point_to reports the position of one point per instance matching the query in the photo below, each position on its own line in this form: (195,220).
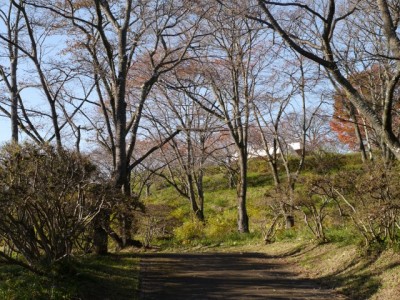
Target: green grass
(220,201)
(343,235)
(108,277)
(17,283)
(259,179)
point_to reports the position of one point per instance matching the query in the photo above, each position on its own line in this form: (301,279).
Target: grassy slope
(340,265)
(352,272)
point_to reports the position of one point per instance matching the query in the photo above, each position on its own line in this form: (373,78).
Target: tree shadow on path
(223,276)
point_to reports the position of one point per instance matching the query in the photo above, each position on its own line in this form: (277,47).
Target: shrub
(47,200)
(344,235)
(369,196)
(155,224)
(286,234)
(321,162)
(189,231)
(219,226)
(314,200)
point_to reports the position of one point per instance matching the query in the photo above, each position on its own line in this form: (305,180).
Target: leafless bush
(373,200)
(155,223)
(313,201)
(47,200)
(277,207)
(369,196)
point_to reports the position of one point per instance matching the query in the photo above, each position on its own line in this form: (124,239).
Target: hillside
(343,261)
(348,260)
(168,218)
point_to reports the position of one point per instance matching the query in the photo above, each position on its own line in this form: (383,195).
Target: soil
(224,276)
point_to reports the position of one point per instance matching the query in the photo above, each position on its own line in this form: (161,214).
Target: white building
(292,148)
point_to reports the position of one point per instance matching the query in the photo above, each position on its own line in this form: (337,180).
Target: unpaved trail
(223,276)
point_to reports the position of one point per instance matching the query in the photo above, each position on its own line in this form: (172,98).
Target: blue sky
(5,131)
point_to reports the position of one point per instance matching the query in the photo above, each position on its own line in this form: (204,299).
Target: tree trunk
(100,235)
(357,131)
(121,182)
(289,215)
(192,197)
(243,219)
(14,100)
(200,193)
(274,168)
(125,229)
(289,221)
(148,193)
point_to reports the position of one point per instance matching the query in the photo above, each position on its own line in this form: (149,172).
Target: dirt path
(223,276)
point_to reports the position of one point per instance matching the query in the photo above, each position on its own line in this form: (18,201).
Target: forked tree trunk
(198,212)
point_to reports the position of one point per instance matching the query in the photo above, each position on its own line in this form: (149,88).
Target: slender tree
(280,129)
(11,17)
(185,156)
(41,98)
(229,76)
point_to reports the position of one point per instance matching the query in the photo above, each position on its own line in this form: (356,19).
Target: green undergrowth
(180,228)
(114,276)
(17,283)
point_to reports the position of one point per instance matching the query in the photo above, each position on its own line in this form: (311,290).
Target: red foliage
(342,124)
(368,84)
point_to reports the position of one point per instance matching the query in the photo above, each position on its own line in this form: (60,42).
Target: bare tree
(124,47)
(370,83)
(284,132)
(185,156)
(229,73)
(11,17)
(223,154)
(340,36)
(41,98)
